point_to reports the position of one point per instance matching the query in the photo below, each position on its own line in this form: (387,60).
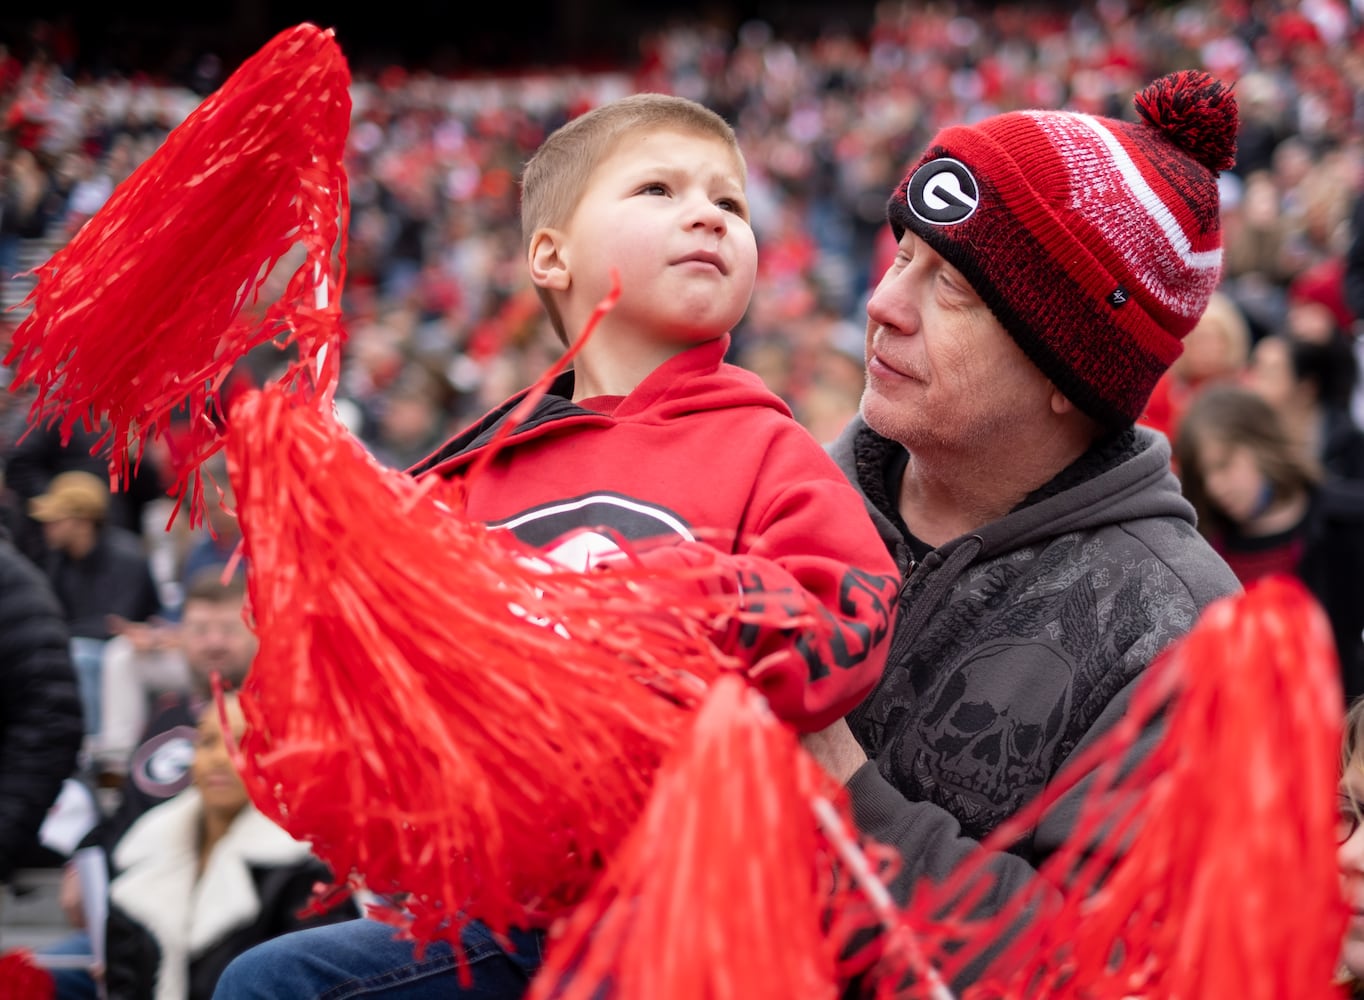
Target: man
(96,569)
(1048,265)
(144,659)
(213,637)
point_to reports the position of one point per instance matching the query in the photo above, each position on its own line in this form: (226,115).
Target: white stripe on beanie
(1141,219)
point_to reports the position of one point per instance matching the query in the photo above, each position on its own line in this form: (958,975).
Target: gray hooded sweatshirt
(1016,647)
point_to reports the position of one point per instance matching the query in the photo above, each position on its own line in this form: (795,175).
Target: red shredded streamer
(22,979)
(437,708)
(144,310)
(1228,884)
(717,891)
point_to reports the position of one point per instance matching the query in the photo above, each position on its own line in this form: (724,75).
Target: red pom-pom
(141,313)
(1175,877)
(717,893)
(1197,112)
(434,706)
(22,979)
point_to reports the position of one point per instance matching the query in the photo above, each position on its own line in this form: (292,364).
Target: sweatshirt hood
(1125,477)
(695,380)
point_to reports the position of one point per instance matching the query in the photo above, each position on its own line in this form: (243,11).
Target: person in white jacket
(202,877)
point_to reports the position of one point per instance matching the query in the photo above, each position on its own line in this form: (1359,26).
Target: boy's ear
(548,263)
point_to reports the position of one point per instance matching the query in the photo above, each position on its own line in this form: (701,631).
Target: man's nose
(892,304)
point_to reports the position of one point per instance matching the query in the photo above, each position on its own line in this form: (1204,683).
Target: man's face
(58,534)
(214,637)
(942,373)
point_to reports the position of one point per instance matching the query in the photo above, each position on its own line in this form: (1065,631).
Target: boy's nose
(708,215)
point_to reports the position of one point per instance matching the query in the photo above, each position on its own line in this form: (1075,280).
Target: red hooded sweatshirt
(703,456)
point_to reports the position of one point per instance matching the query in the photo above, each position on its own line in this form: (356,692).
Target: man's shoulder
(123,544)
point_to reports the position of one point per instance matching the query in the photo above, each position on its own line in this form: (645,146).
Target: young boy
(652,439)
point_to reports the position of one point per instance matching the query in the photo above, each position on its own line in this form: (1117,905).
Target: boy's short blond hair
(555,178)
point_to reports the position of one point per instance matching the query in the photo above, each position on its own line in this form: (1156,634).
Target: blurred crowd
(440,315)
(441,320)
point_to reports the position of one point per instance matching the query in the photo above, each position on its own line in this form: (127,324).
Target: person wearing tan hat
(96,569)
(71,497)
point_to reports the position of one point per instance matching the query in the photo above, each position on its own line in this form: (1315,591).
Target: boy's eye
(653,189)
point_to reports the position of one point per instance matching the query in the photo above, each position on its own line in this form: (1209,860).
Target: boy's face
(667,210)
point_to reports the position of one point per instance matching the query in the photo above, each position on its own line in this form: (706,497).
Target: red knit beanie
(1095,242)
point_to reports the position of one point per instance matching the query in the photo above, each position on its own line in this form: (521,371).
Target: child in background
(1263,505)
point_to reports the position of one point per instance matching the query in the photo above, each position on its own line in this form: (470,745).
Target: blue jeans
(71,984)
(363,958)
(87,656)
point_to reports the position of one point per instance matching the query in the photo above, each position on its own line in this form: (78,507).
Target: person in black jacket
(40,713)
(99,572)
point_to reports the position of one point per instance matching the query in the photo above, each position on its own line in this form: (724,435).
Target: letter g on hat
(1096,242)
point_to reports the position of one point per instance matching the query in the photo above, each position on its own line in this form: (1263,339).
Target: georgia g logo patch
(943,192)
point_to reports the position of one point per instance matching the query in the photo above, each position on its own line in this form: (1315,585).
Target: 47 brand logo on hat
(943,192)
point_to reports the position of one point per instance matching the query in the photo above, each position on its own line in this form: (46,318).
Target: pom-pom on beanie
(1095,242)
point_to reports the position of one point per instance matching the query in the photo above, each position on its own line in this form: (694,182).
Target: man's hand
(69,897)
(146,637)
(837,750)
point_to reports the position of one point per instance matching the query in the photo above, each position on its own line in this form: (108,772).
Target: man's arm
(809,555)
(931,846)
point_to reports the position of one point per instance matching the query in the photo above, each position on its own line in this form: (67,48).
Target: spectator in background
(40,711)
(1257,269)
(1350,852)
(1263,505)
(211,637)
(1309,384)
(1216,349)
(29,203)
(196,880)
(201,878)
(1352,292)
(410,422)
(97,570)
(39,455)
